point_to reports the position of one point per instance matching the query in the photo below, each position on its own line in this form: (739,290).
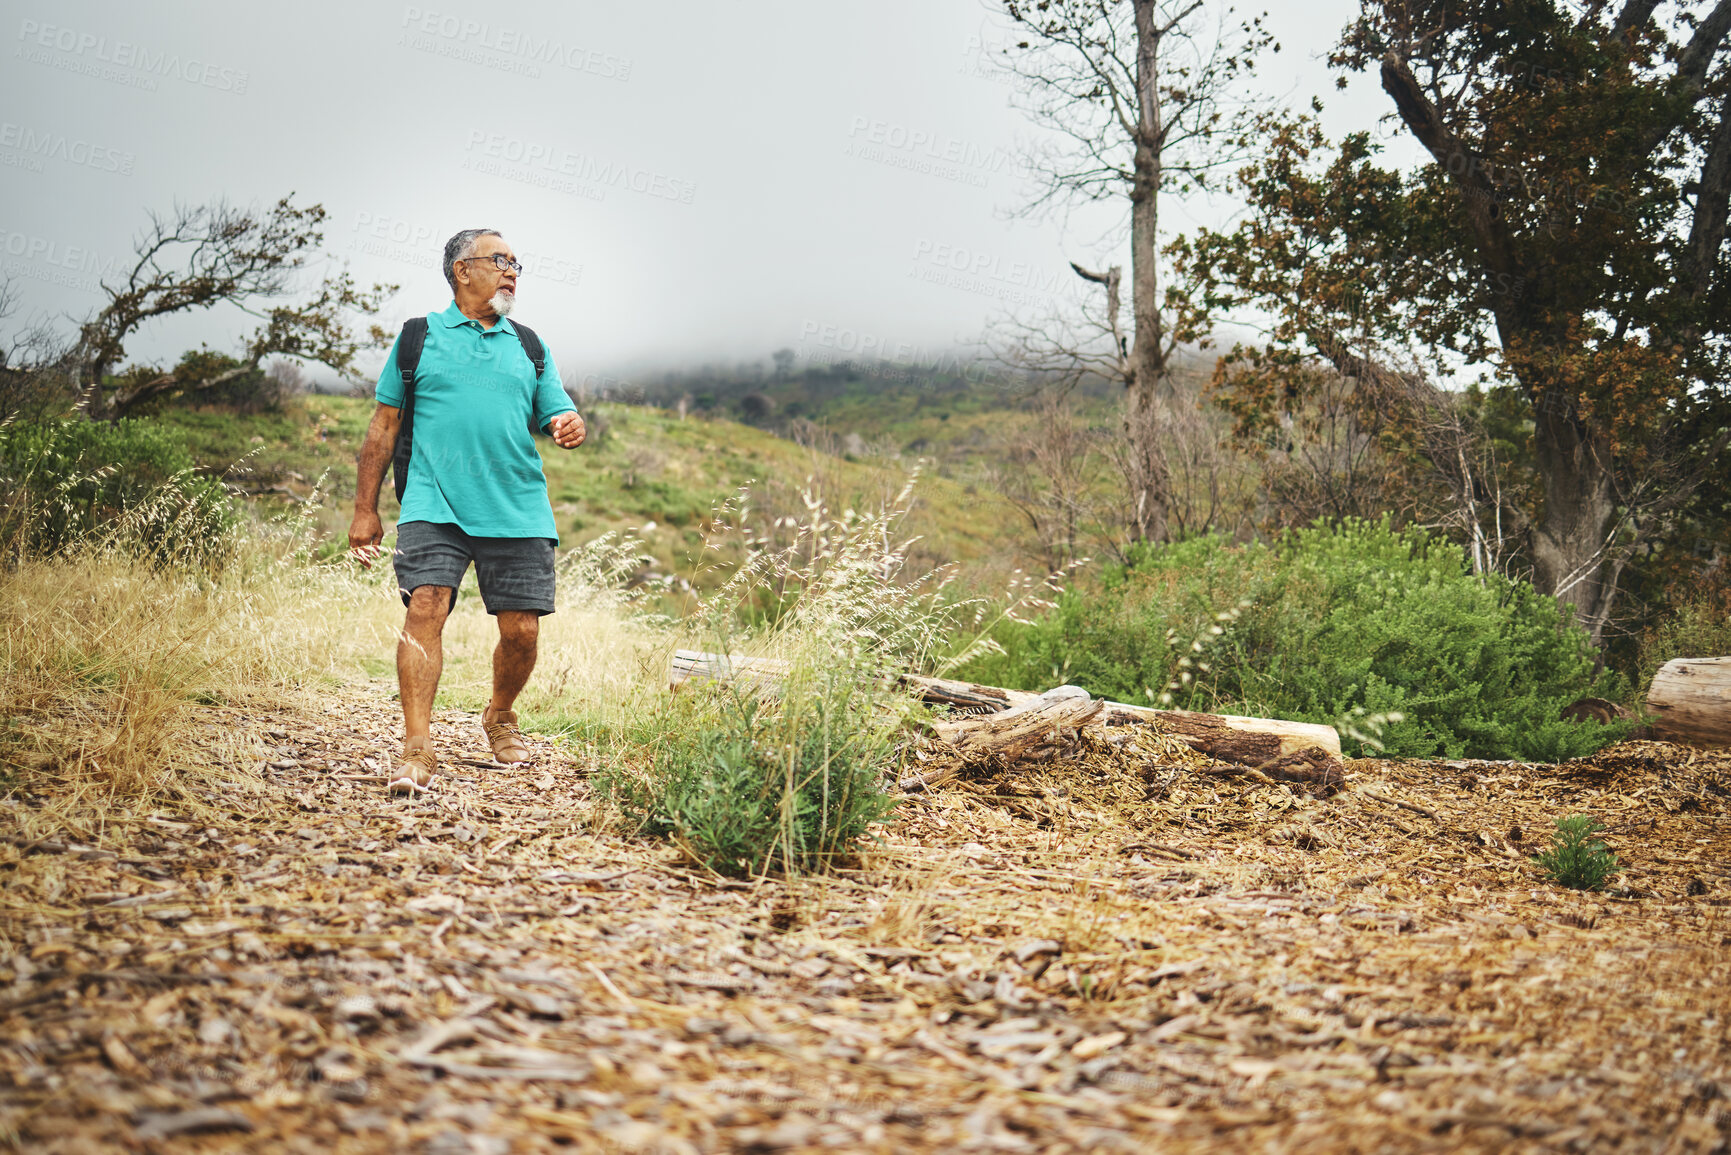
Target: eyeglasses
(501,262)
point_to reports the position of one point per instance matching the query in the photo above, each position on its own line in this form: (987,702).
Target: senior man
(473,490)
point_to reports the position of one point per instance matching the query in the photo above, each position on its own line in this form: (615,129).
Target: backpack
(408,359)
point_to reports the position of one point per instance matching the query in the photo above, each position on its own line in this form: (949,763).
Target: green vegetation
(1326,621)
(746,786)
(1697,625)
(789,772)
(127,485)
(1576,859)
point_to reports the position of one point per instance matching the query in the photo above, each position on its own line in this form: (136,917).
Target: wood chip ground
(1091,954)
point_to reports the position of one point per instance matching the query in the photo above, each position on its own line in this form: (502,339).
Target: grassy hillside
(956,419)
(645,471)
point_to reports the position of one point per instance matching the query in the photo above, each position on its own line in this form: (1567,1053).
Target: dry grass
(103,659)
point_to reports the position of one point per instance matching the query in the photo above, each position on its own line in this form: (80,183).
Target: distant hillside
(957,414)
(646,471)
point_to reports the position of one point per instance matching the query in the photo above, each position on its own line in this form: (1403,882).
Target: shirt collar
(453,318)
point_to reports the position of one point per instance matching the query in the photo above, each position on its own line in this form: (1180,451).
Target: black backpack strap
(537,352)
(409,345)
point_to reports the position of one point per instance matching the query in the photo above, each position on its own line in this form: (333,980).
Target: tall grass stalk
(750,777)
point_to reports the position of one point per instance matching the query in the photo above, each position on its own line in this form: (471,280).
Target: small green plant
(788,773)
(789,785)
(1576,859)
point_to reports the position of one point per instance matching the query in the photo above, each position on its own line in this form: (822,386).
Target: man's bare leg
(513,662)
(420,661)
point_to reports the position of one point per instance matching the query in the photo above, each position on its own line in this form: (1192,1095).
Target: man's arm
(557,416)
(366,531)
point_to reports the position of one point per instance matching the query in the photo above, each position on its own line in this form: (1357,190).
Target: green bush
(1325,621)
(125,485)
(747,785)
(1576,859)
(1698,625)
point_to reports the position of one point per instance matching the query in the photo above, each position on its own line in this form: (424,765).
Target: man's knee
(519,628)
(429,606)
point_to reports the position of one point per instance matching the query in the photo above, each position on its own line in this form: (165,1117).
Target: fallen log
(694,666)
(1692,700)
(1228,737)
(1023,730)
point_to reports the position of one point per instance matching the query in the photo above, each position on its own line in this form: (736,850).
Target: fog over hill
(685,181)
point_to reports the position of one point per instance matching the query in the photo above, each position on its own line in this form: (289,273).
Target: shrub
(126,485)
(1576,859)
(1326,621)
(789,774)
(791,784)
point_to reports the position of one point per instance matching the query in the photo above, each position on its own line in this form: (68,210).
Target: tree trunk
(1150,481)
(1571,540)
(1692,698)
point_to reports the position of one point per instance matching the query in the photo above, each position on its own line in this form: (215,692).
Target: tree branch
(1697,58)
(1422,117)
(1712,207)
(1634,16)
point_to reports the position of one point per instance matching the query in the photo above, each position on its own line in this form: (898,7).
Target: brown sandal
(505,738)
(413,772)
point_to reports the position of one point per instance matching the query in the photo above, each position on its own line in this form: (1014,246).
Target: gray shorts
(515,573)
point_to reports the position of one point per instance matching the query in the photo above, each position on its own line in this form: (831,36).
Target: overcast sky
(687,180)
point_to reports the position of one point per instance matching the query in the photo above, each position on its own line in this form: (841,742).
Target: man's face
(481,276)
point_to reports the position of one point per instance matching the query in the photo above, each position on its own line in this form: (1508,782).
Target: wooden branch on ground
(1692,698)
(1228,737)
(1231,738)
(694,666)
(1025,729)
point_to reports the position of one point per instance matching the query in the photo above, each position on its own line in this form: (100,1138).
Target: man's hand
(366,531)
(568,430)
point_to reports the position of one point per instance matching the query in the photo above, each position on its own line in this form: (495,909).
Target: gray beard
(502,303)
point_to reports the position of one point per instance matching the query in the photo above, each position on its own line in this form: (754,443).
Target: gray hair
(460,246)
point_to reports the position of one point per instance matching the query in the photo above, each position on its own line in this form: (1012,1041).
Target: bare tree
(1051,474)
(34,378)
(1137,94)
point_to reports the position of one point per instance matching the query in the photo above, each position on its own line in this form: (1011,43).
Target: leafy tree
(1567,231)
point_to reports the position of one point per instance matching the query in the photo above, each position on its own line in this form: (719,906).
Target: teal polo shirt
(474,463)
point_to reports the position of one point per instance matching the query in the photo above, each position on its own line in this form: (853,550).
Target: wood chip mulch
(1086,954)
